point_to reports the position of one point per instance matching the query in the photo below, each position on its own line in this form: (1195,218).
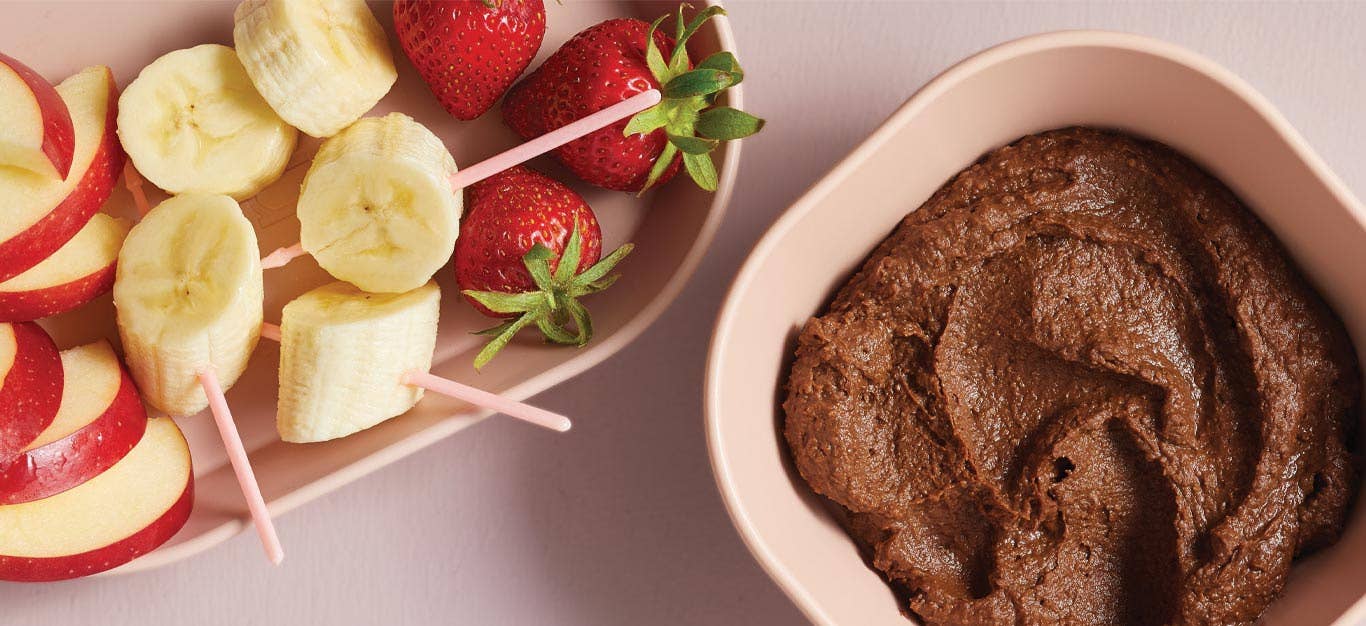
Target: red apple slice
(30,385)
(125,512)
(100,420)
(36,133)
(41,215)
(75,274)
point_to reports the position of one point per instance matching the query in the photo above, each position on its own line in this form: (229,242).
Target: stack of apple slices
(59,160)
(87,481)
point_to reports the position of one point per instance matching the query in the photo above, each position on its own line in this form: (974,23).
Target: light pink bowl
(671,228)
(1114,80)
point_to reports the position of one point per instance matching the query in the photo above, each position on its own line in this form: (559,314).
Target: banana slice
(321,63)
(189,294)
(343,353)
(376,209)
(193,122)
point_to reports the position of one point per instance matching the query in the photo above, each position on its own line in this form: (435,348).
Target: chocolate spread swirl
(1081,384)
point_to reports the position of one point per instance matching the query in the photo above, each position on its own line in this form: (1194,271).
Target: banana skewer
(188,295)
(463,178)
(460,391)
(325,394)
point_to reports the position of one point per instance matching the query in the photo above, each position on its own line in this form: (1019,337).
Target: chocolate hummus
(1081,384)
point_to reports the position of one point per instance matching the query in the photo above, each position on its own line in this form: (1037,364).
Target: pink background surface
(619,522)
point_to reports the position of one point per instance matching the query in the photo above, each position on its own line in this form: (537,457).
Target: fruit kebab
(339,225)
(325,332)
(188,294)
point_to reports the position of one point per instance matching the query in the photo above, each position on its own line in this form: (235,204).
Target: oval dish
(1113,80)
(671,228)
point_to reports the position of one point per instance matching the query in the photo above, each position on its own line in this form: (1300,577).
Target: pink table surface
(618,521)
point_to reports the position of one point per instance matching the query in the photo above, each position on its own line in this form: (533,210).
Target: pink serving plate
(671,229)
(1141,85)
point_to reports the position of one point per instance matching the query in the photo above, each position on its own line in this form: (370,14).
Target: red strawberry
(469,51)
(528,249)
(613,61)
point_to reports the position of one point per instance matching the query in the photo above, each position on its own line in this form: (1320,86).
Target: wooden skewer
(520,154)
(241,465)
(460,391)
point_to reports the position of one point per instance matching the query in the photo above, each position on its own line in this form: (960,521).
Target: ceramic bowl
(671,228)
(1135,84)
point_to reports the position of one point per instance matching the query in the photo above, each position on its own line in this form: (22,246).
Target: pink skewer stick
(270,331)
(282,256)
(491,401)
(133,181)
(459,391)
(520,154)
(554,139)
(241,466)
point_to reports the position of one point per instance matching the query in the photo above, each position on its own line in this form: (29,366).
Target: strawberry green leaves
(699,82)
(693,145)
(679,61)
(701,169)
(654,59)
(666,156)
(647,120)
(553,307)
(724,61)
(725,123)
(686,114)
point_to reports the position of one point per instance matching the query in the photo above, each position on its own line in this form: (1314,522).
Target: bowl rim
(772,564)
(590,357)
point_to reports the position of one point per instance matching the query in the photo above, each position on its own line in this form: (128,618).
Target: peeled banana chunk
(376,208)
(188,293)
(193,122)
(320,63)
(343,353)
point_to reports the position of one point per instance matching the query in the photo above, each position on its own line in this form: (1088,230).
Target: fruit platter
(250,252)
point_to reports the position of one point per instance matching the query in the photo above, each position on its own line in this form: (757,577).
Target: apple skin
(60,465)
(29,247)
(59,136)
(28,569)
(40,303)
(31,392)
(78,272)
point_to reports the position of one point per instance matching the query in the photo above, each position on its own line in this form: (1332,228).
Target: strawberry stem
(689,94)
(553,307)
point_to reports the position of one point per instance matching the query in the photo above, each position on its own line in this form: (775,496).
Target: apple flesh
(36,133)
(41,215)
(115,517)
(101,418)
(30,385)
(78,272)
